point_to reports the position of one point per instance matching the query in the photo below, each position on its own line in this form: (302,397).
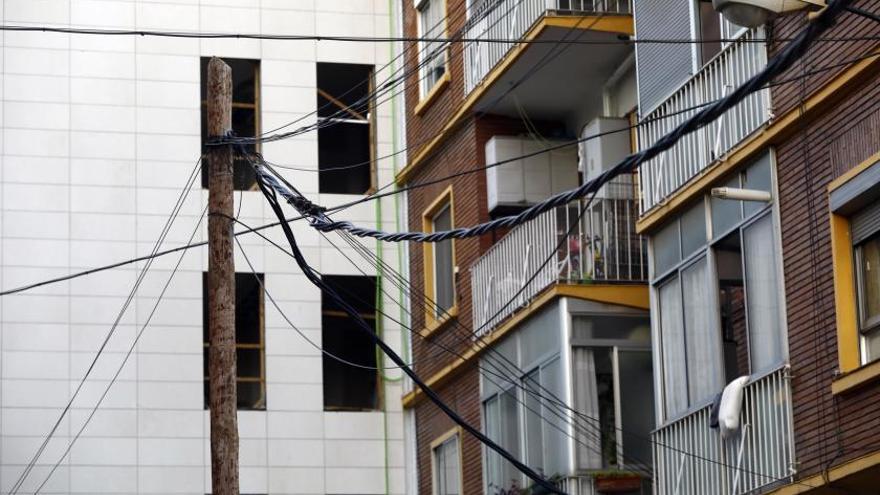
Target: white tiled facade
(99,135)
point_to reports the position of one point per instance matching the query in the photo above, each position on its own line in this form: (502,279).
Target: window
(432,24)
(250,350)
(514,415)
(346,128)
(716,281)
(439,262)
(245,115)
(446,464)
(612,367)
(710,31)
(868,277)
(347,387)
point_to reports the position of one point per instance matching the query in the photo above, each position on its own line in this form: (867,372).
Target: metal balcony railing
(601,247)
(736,62)
(510,20)
(691,457)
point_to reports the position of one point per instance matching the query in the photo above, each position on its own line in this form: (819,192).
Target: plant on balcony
(616,481)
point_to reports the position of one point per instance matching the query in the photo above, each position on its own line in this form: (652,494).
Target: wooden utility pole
(221,287)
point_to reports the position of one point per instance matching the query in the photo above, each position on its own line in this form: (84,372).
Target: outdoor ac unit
(597,154)
(526,181)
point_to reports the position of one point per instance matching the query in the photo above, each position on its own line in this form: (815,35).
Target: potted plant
(614,481)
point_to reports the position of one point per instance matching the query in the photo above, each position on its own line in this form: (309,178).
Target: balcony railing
(601,247)
(736,62)
(691,457)
(510,20)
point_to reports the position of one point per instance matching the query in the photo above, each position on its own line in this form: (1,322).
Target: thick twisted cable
(776,66)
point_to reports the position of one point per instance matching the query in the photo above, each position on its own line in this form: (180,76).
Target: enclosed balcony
(691,457)
(599,246)
(734,64)
(500,77)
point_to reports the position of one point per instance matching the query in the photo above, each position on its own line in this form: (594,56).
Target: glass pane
(693,229)
(492,420)
(869,274)
(586,402)
(605,401)
(710,31)
(666,249)
(539,337)
(533,418)
(452,467)
(872,344)
(757,176)
(556,439)
(636,387)
(725,212)
(509,436)
(629,328)
(444,295)
(762,295)
(672,346)
(705,372)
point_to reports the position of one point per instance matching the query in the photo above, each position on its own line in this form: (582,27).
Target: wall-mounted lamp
(741,194)
(753,13)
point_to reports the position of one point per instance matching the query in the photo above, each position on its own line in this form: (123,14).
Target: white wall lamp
(753,13)
(741,194)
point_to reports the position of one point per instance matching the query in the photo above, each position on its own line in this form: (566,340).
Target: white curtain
(589,446)
(675,396)
(762,295)
(705,369)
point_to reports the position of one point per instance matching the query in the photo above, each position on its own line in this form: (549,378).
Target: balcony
(500,76)
(691,457)
(738,61)
(601,248)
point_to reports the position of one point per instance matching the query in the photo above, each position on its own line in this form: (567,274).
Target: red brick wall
(828,430)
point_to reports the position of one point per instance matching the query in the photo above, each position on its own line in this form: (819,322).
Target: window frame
(371,121)
(428,94)
(452,434)
(433,321)
(260,346)
(255,106)
(707,252)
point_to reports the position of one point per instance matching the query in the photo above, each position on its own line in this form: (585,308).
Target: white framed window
(716,277)
(867,262)
(446,464)
(432,54)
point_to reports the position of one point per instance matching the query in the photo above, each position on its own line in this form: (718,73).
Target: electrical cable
(307,271)
(379,195)
(163,233)
(370,39)
(165,229)
(124,360)
(781,62)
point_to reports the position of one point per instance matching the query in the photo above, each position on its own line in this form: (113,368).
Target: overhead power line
(379,195)
(622,39)
(362,325)
(778,64)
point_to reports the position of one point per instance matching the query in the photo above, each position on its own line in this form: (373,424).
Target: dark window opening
(732,303)
(250,349)
(245,112)
(345,132)
(347,387)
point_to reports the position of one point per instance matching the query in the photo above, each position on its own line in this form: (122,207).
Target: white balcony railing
(510,20)
(736,62)
(602,247)
(691,457)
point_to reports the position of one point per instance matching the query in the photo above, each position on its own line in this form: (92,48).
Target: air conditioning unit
(526,181)
(597,154)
